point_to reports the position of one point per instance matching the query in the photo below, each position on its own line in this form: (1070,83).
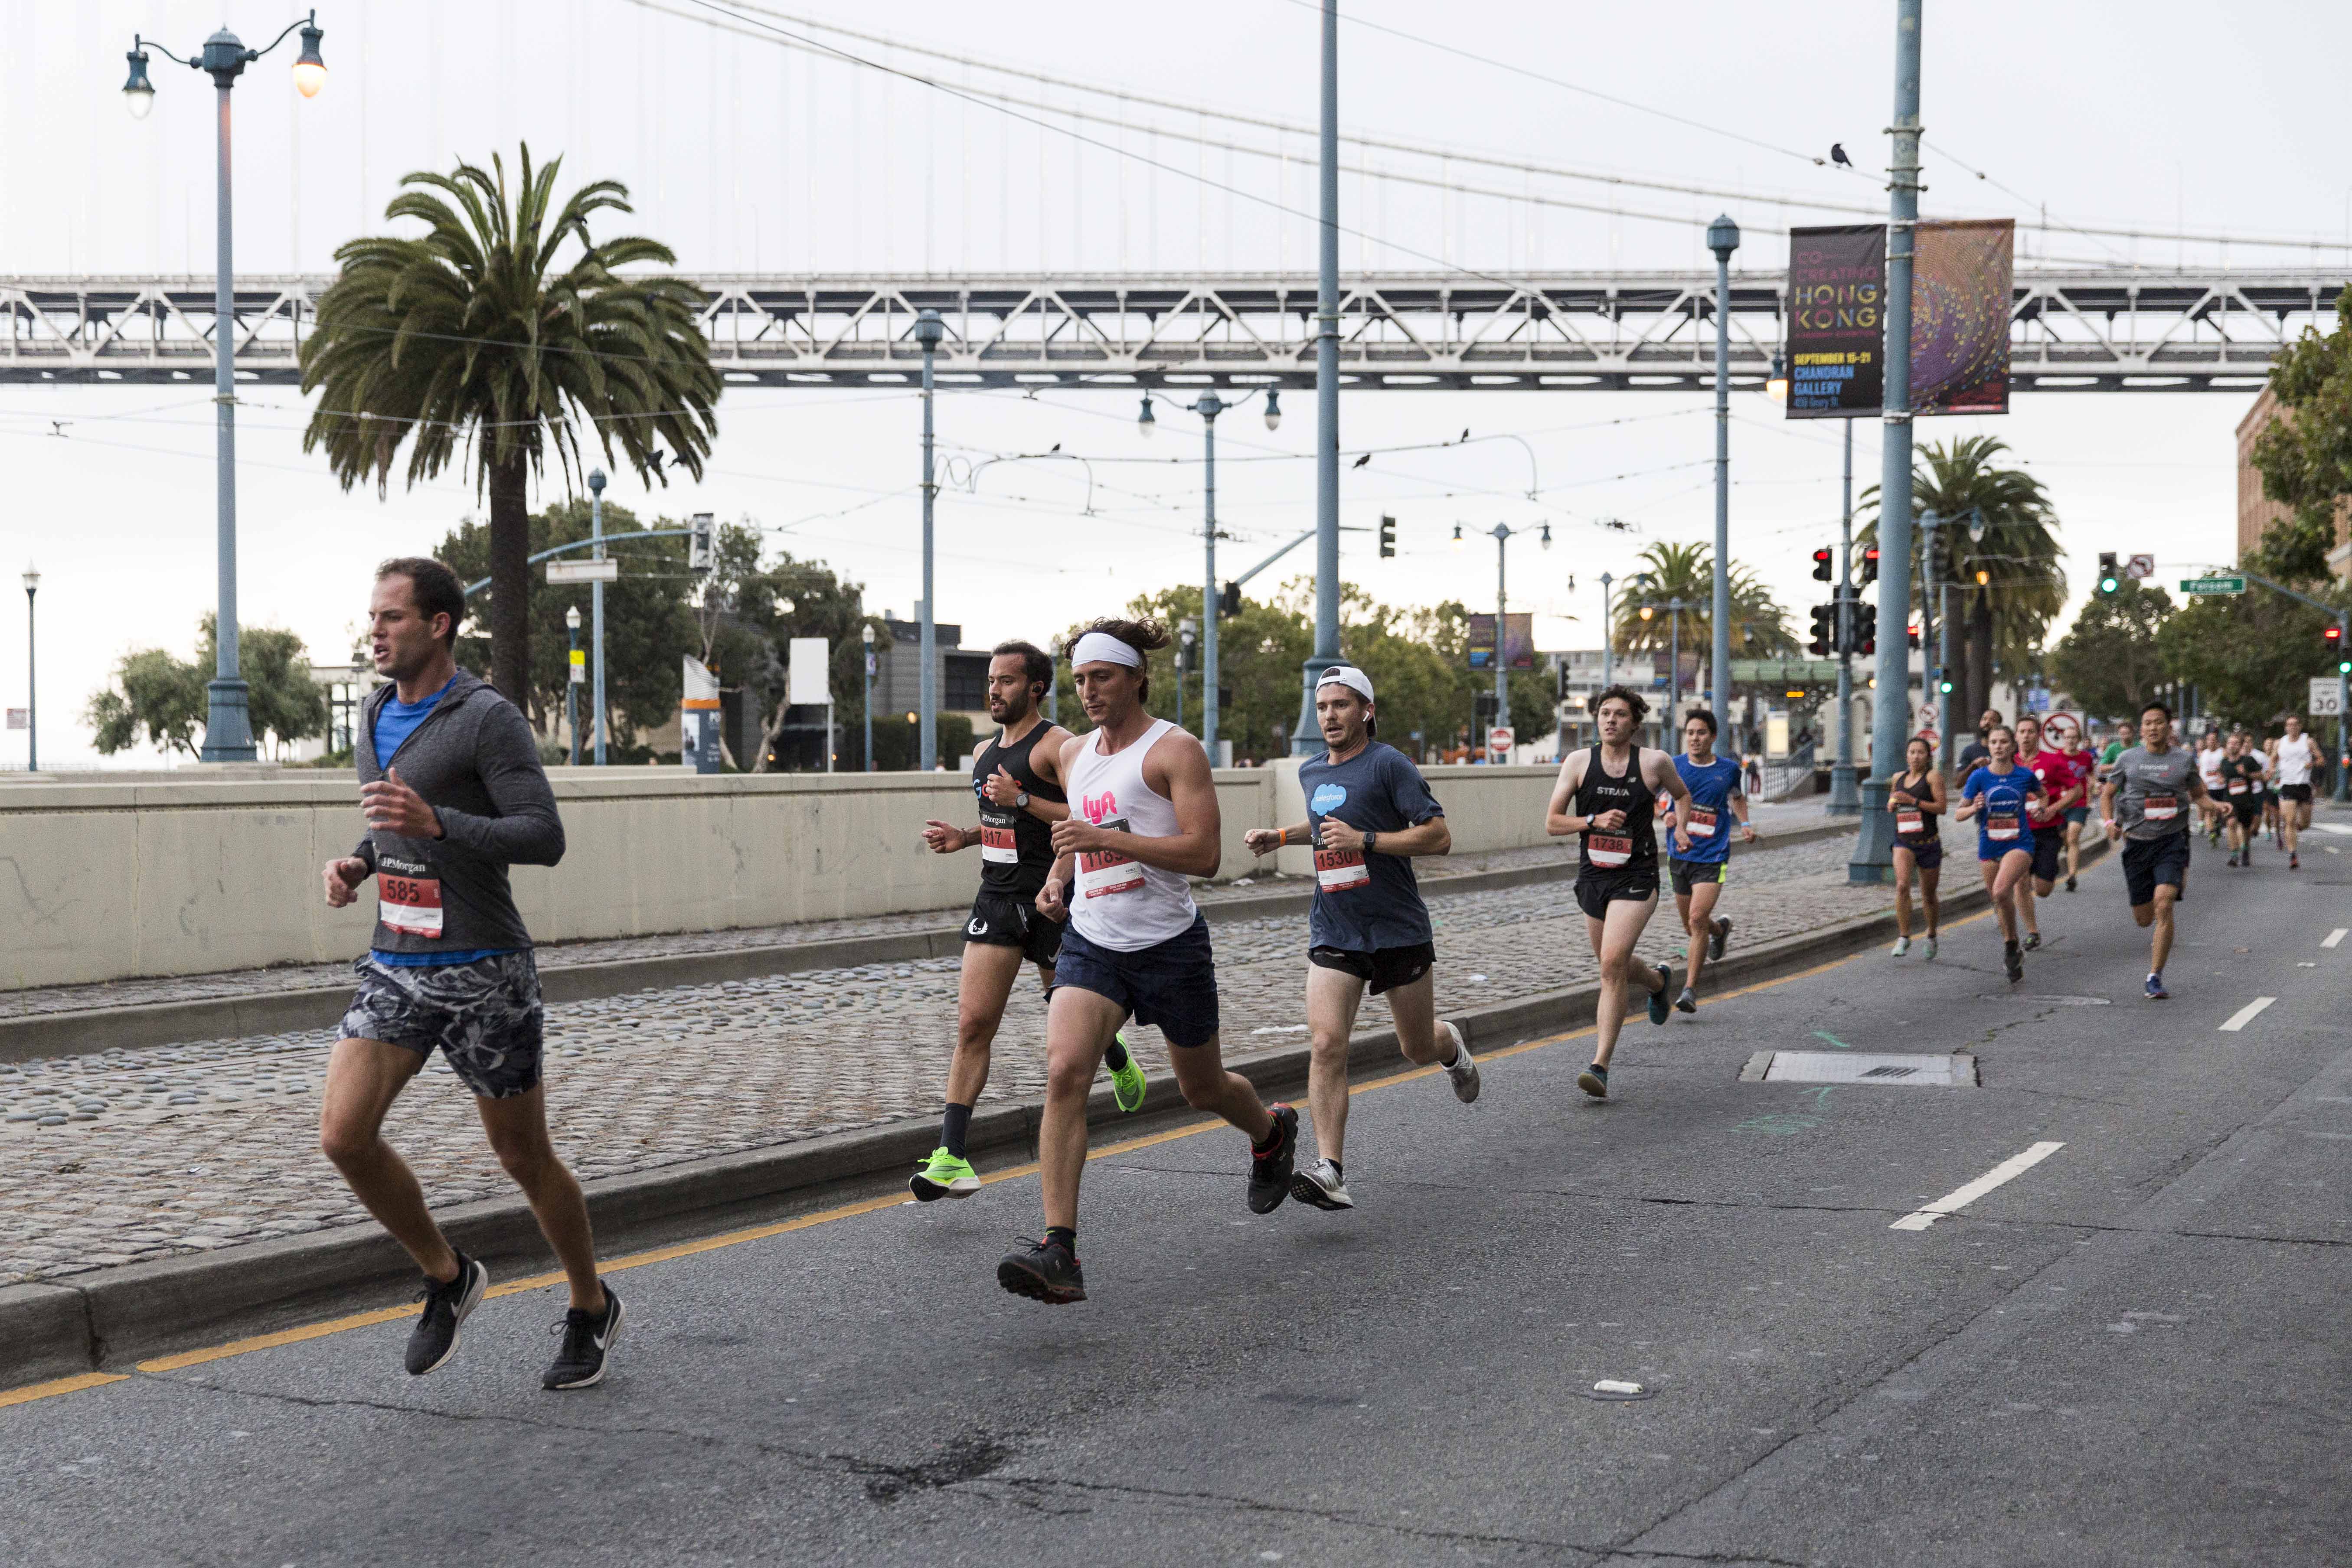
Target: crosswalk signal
(1229,603)
(1870,566)
(2110,577)
(1824,631)
(1821,564)
(1388,537)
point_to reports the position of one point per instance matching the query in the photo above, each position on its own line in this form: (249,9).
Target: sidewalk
(132,1155)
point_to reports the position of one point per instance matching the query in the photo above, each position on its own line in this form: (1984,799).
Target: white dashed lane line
(2009,1170)
(2336,936)
(2246,1014)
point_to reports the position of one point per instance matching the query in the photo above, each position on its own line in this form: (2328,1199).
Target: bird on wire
(1837,155)
(1362,460)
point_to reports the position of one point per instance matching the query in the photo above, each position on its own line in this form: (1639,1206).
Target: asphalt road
(2132,1352)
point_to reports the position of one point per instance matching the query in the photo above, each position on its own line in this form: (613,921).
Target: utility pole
(928,330)
(596,607)
(1873,851)
(572,673)
(1845,800)
(1723,239)
(1209,407)
(1307,738)
(867,636)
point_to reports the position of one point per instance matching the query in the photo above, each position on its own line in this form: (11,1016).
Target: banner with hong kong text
(1837,325)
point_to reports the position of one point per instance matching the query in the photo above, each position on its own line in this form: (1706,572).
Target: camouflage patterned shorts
(486,1016)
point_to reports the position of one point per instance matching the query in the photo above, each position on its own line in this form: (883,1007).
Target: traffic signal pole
(1845,795)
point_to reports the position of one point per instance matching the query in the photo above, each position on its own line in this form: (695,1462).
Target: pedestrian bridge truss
(2079,329)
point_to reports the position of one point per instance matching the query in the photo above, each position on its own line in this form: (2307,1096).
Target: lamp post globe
(1274,408)
(1145,422)
(138,93)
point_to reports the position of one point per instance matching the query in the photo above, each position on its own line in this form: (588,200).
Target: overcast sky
(747,155)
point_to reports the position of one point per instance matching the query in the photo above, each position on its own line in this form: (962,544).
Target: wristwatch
(1021,801)
(1370,837)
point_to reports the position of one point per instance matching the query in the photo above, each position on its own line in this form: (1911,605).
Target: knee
(1615,967)
(1068,1078)
(1202,1091)
(523,1159)
(1330,1048)
(346,1144)
(976,1031)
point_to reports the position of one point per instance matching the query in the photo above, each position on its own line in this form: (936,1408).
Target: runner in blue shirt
(1703,844)
(1996,793)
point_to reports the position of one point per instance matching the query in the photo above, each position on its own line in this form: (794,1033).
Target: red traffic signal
(1870,566)
(2333,637)
(1821,564)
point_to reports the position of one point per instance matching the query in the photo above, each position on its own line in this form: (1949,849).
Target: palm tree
(1760,626)
(2004,588)
(467,339)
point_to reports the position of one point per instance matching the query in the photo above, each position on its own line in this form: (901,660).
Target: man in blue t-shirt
(1703,844)
(1368,811)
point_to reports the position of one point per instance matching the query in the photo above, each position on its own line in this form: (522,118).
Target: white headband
(1348,676)
(1101,647)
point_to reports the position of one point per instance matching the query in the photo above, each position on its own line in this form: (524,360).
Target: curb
(92,1030)
(112,1318)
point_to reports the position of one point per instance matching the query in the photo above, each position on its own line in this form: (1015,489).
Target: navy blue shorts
(1172,985)
(2050,853)
(1927,851)
(2147,861)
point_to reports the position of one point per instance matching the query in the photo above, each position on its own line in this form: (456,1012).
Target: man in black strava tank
(1607,795)
(1017,780)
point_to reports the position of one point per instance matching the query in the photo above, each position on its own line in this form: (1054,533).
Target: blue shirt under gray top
(1378,790)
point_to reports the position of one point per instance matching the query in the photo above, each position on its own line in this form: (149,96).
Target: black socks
(1065,1236)
(953,1127)
(1115,1058)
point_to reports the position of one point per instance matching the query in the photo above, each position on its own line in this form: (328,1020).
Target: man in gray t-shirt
(2145,802)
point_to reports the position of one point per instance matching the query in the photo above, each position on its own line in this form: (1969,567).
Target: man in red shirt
(2046,814)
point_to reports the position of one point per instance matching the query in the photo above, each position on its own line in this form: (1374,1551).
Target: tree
(2110,660)
(465,343)
(160,699)
(2305,456)
(2249,654)
(2002,590)
(1760,626)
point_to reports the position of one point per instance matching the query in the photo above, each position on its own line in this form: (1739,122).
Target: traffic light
(1824,631)
(699,553)
(1870,566)
(1913,631)
(1229,603)
(2110,577)
(1821,564)
(2333,637)
(1388,537)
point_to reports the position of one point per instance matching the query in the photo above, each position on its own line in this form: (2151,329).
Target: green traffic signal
(2108,584)
(2344,666)
(1944,687)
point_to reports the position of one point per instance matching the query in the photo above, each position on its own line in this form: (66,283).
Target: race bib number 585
(411,905)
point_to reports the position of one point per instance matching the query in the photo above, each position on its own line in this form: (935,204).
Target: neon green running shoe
(1128,1084)
(944,1176)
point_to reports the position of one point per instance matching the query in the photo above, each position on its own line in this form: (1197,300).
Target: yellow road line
(761,1232)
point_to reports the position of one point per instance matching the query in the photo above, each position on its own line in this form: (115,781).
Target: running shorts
(1595,891)
(2148,861)
(485,1016)
(1928,851)
(1685,874)
(1001,919)
(2299,792)
(2246,809)
(1171,985)
(2049,853)
(1386,967)
(2078,814)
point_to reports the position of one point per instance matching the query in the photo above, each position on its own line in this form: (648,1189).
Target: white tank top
(2295,755)
(1117,902)
(2208,768)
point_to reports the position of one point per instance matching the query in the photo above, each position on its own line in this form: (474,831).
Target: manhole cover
(1860,1066)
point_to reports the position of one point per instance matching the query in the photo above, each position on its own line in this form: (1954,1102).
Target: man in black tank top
(1606,796)
(1016,779)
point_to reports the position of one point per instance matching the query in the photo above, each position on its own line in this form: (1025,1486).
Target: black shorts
(485,1016)
(1386,967)
(1686,874)
(2050,853)
(2298,793)
(2246,809)
(1170,984)
(1596,891)
(2148,861)
(1927,851)
(1004,920)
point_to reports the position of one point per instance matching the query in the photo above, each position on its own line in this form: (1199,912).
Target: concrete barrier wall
(186,874)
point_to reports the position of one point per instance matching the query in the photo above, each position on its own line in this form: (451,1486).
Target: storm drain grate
(1953,1071)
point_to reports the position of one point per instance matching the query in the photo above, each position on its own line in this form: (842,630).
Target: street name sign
(605,571)
(2218,582)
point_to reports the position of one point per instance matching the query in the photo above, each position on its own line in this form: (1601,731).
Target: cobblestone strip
(128,1155)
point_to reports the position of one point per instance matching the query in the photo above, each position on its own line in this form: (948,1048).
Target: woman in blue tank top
(1996,794)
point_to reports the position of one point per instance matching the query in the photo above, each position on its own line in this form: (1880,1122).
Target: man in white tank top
(1143,821)
(2293,756)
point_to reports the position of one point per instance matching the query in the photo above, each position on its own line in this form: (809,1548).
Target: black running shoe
(1594,1081)
(2070,884)
(1043,1271)
(1718,933)
(2032,940)
(1270,1172)
(435,1339)
(2012,962)
(588,1340)
(1661,1000)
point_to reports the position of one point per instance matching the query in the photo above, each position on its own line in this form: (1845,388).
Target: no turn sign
(1499,740)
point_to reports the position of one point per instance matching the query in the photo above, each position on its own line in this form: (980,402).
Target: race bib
(997,845)
(2002,825)
(1702,822)
(2236,787)
(1340,870)
(1102,872)
(2160,807)
(1907,820)
(410,905)
(1605,850)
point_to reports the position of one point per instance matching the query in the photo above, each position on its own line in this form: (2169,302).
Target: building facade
(2257,512)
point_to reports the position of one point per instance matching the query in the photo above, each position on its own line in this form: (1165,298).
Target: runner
(1698,873)
(2208,768)
(2047,815)
(2293,756)
(1137,946)
(1915,796)
(2086,763)
(450,965)
(1368,813)
(1613,786)
(1016,779)
(2242,768)
(1978,750)
(2141,804)
(1998,791)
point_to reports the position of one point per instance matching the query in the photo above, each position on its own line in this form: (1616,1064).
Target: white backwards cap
(1348,676)
(1101,647)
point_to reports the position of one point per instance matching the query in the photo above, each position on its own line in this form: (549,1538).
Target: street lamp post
(1306,736)
(228,727)
(1723,239)
(1187,634)
(32,680)
(572,670)
(1054,686)
(596,608)
(929,331)
(865,633)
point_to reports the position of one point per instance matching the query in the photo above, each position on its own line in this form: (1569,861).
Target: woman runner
(1915,796)
(1996,793)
